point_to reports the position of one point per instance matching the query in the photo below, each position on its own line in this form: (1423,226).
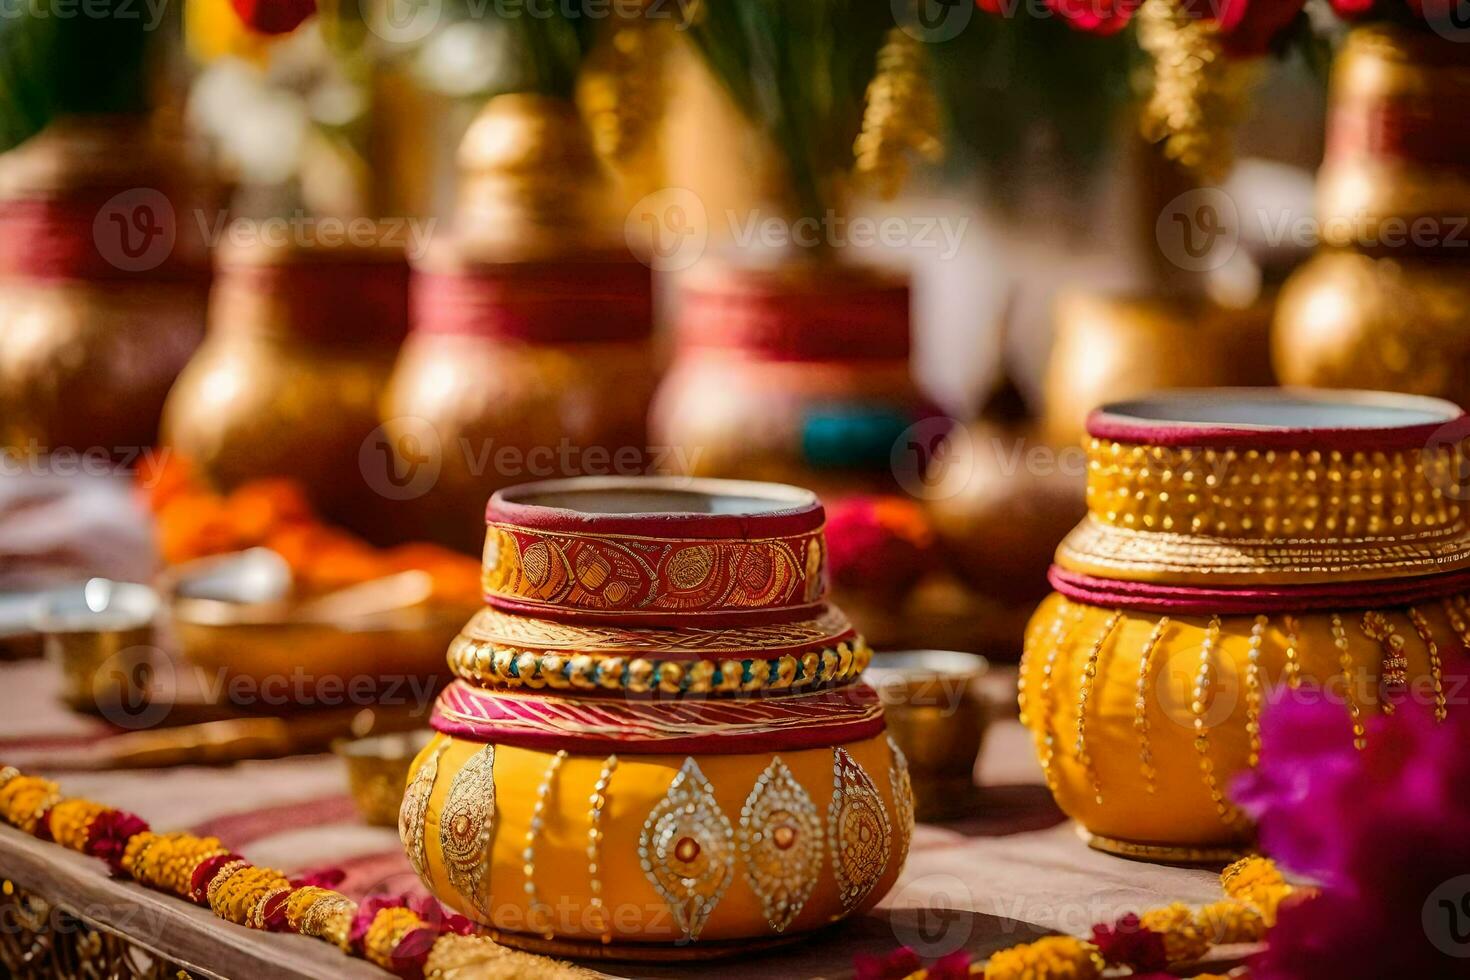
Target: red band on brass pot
(58,238)
(329,301)
(840,315)
(711,726)
(549,303)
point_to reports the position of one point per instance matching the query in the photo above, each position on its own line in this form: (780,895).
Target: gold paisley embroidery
(687,849)
(415,808)
(467,823)
(780,844)
(902,784)
(858,827)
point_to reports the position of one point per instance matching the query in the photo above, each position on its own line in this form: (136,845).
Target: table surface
(1013,871)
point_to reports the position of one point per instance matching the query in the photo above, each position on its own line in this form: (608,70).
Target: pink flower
(895,966)
(1101,17)
(1384,830)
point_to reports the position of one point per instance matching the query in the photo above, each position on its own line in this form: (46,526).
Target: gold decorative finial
(1198,93)
(901,117)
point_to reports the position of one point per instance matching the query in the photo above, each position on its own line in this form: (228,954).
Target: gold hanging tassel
(901,116)
(1199,92)
(621,88)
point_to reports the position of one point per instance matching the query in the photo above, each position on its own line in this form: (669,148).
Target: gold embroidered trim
(491,665)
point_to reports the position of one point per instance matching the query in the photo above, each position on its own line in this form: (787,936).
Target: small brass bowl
(101,636)
(938,715)
(377,772)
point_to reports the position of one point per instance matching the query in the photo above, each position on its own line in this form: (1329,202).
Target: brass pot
(1384,306)
(301,343)
(103,283)
(796,373)
(1109,347)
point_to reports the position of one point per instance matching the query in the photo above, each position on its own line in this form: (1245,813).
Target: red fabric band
(1200,601)
(332,302)
(714,726)
(548,303)
(57,238)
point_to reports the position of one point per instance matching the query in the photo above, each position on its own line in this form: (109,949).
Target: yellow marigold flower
(1257,882)
(1184,940)
(1052,958)
(1229,921)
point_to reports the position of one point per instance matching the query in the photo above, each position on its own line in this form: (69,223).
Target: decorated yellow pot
(103,281)
(658,745)
(1241,544)
(794,373)
(301,342)
(1383,305)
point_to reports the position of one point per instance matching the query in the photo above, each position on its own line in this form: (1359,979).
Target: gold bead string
(1436,666)
(1061,635)
(598,801)
(538,816)
(1293,655)
(901,117)
(1345,661)
(1200,707)
(1457,622)
(1253,692)
(1084,691)
(1140,706)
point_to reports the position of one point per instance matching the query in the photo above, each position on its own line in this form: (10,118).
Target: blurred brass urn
(1386,303)
(531,354)
(1110,347)
(103,281)
(303,329)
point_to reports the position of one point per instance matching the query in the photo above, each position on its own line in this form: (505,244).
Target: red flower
(895,966)
(273,16)
(1352,9)
(1101,17)
(878,546)
(108,833)
(1248,27)
(1129,943)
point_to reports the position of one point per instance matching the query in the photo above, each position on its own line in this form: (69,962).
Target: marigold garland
(395,933)
(1166,938)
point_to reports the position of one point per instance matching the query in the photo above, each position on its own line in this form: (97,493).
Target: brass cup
(937,714)
(101,637)
(377,772)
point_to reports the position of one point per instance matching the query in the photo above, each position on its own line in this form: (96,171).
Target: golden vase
(105,278)
(658,746)
(1241,544)
(796,373)
(303,332)
(1383,304)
